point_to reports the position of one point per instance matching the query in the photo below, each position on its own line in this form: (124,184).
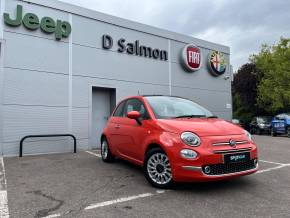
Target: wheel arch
(153,145)
(103,136)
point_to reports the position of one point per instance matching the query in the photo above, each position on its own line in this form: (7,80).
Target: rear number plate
(236,158)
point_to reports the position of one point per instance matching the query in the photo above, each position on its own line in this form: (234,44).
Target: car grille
(220,169)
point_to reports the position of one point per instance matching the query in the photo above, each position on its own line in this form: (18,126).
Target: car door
(132,133)
(115,137)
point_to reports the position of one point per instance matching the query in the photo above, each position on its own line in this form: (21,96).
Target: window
(119,110)
(136,105)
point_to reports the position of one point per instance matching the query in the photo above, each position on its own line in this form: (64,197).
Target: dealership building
(63,68)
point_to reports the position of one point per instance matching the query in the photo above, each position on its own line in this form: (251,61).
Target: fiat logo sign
(191,57)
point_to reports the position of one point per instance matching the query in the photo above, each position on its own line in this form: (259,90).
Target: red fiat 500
(175,139)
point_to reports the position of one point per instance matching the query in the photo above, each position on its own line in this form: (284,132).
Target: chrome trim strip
(231,150)
(228,143)
(192,168)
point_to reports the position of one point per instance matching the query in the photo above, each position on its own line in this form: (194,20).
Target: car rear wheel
(106,154)
(288,132)
(157,168)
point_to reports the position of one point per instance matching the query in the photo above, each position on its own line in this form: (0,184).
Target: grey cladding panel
(20,121)
(35,88)
(201,79)
(80,123)
(212,100)
(112,65)
(82,87)
(34,53)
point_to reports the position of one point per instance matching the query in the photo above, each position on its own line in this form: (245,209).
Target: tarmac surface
(81,185)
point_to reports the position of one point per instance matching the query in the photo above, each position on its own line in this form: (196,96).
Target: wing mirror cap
(134,115)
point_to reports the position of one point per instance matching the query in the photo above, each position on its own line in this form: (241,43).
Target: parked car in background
(281,124)
(177,140)
(260,124)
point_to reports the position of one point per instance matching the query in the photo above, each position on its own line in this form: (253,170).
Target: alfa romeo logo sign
(217,63)
(191,57)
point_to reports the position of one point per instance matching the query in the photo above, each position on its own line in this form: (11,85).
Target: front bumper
(190,170)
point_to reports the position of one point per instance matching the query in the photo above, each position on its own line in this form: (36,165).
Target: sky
(243,25)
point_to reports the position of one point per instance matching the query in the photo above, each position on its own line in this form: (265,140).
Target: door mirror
(135,115)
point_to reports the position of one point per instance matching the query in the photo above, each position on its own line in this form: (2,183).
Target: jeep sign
(61,29)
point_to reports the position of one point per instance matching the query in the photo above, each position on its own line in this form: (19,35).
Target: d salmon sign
(191,58)
(217,63)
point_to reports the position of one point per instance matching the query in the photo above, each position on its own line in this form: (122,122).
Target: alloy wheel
(158,168)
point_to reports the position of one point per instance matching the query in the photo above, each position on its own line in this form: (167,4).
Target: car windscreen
(165,107)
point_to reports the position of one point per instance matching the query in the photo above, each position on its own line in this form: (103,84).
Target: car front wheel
(288,132)
(157,168)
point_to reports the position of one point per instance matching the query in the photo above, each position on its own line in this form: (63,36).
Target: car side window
(136,105)
(119,110)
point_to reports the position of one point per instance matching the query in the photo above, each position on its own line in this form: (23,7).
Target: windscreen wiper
(190,116)
(212,117)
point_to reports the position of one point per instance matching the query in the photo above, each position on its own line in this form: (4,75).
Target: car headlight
(190,139)
(248,135)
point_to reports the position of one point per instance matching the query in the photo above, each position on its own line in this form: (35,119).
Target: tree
(274,88)
(244,91)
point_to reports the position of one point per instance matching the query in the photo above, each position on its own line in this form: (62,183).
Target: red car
(177,140)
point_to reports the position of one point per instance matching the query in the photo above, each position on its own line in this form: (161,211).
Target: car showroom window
(119,110)
(136,105)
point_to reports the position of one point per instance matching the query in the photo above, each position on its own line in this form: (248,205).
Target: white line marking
(92,153)
(120,200)
(273,168)
(271,162)
(4,211)
(53,215)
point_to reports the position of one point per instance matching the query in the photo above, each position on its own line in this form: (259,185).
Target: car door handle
(117,126)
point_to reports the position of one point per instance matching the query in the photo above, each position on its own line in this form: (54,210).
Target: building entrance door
(103,103)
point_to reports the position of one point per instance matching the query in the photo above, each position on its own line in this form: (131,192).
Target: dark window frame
(121,104)
(147,117)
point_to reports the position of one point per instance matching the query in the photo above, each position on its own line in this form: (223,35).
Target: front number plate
(236,158)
